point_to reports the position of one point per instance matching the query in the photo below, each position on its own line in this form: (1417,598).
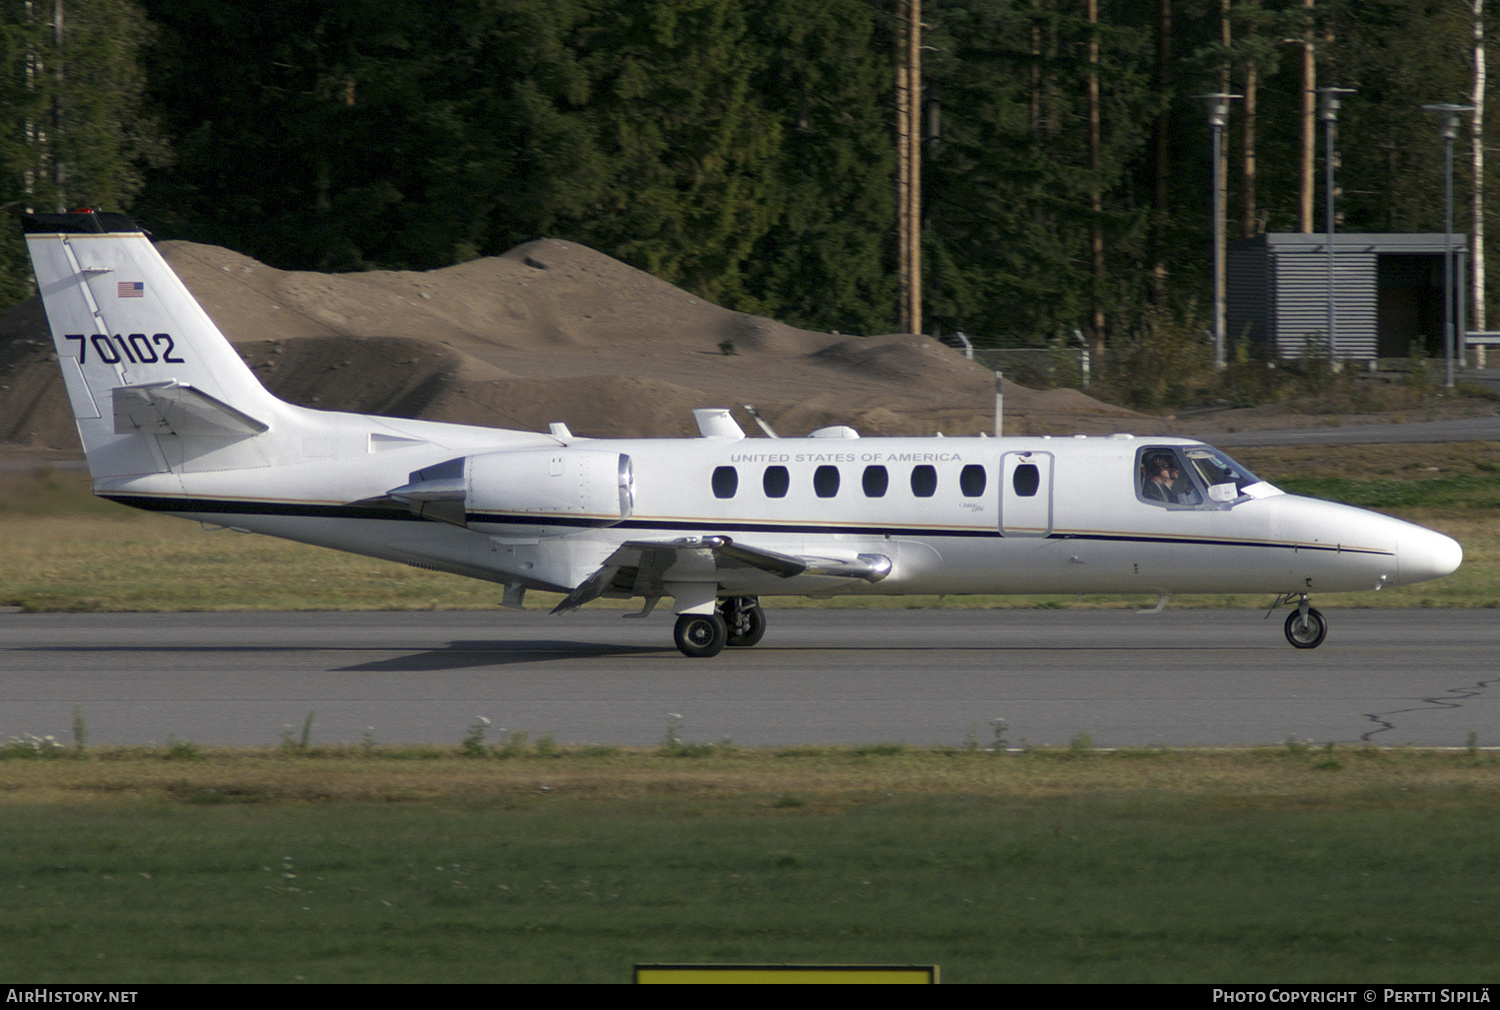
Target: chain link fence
(1038,367)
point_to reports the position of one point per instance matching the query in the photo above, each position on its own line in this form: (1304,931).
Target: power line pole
(1476,128)
(1309,90)
(1448,119)
(1096,171)
(1328,112)
(1218,120)
(909,163)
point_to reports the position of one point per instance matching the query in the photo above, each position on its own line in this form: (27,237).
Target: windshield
(1198,476)
(1218,470)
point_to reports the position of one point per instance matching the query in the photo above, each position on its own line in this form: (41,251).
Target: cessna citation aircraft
(174,421)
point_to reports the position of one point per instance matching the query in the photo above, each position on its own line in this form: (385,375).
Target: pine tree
(71,91)
(1009,184)
(826,77)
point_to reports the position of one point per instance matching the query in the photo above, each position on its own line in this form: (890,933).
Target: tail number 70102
(135,348)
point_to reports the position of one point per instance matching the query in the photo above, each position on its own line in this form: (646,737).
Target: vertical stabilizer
(151,379)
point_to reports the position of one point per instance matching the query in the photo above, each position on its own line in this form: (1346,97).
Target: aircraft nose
(1426,554)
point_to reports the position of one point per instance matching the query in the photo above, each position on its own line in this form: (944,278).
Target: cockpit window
(1196,476)
(1162,479)
(1225,479)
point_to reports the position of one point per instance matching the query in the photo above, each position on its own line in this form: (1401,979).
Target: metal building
(1388,294)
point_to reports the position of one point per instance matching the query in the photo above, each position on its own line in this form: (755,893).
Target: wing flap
(645,567)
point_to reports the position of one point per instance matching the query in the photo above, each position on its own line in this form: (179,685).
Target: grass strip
(1280,864)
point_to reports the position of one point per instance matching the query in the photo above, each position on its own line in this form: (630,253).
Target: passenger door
(1026,494)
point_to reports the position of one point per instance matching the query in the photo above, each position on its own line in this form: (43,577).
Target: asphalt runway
(931,677)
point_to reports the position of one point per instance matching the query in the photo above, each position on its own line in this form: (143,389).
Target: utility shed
(1388,294)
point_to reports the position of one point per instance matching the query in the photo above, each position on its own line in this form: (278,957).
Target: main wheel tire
(701,635)
(746,626)
(1308,634)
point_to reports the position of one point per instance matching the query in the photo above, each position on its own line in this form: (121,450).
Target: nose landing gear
(1305,627)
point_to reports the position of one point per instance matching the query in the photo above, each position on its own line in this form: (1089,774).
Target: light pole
(1328,112)
(1218,118)
(1448,123)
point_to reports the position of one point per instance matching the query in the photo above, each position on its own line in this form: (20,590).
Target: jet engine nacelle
(570,483)
(568,488)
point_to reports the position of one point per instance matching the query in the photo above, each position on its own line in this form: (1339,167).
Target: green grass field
(1284,865)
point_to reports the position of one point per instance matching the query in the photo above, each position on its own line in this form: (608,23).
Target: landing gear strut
(746,621)
(1305,627)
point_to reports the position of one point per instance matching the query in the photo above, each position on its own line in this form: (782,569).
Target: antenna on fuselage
(764,426)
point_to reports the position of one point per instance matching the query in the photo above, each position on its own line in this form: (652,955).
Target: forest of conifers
(743,149)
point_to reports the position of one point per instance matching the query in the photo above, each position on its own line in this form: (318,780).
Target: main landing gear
(736,621)
(1305,627)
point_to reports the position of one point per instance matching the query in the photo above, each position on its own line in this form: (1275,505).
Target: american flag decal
(132,289)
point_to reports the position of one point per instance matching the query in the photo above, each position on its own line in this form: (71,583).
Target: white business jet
(172,420)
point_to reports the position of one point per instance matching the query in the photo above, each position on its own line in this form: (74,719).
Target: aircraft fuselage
(1083,529)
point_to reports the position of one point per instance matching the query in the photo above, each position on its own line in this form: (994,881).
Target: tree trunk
(1309,95)
(1251,227)
(1225,81)
(1163,148)
(1096,171)
(907,224)
(1476,125)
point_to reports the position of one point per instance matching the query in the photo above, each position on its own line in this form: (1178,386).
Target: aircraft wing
(645,567)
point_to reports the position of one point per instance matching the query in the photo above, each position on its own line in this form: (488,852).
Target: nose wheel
(1305,627)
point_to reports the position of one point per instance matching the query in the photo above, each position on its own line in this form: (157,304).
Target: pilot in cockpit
(1160,478)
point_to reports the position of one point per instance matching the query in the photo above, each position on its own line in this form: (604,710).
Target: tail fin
(141,360)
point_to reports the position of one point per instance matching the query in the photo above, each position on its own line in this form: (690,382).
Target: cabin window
(826,481)
(776,481)
(971,480)
(1026,480)
(726,481)
(876,481)
(923,481)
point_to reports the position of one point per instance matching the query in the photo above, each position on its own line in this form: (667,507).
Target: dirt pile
(550,331)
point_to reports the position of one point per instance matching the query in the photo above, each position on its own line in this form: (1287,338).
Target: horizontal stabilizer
(171,408)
